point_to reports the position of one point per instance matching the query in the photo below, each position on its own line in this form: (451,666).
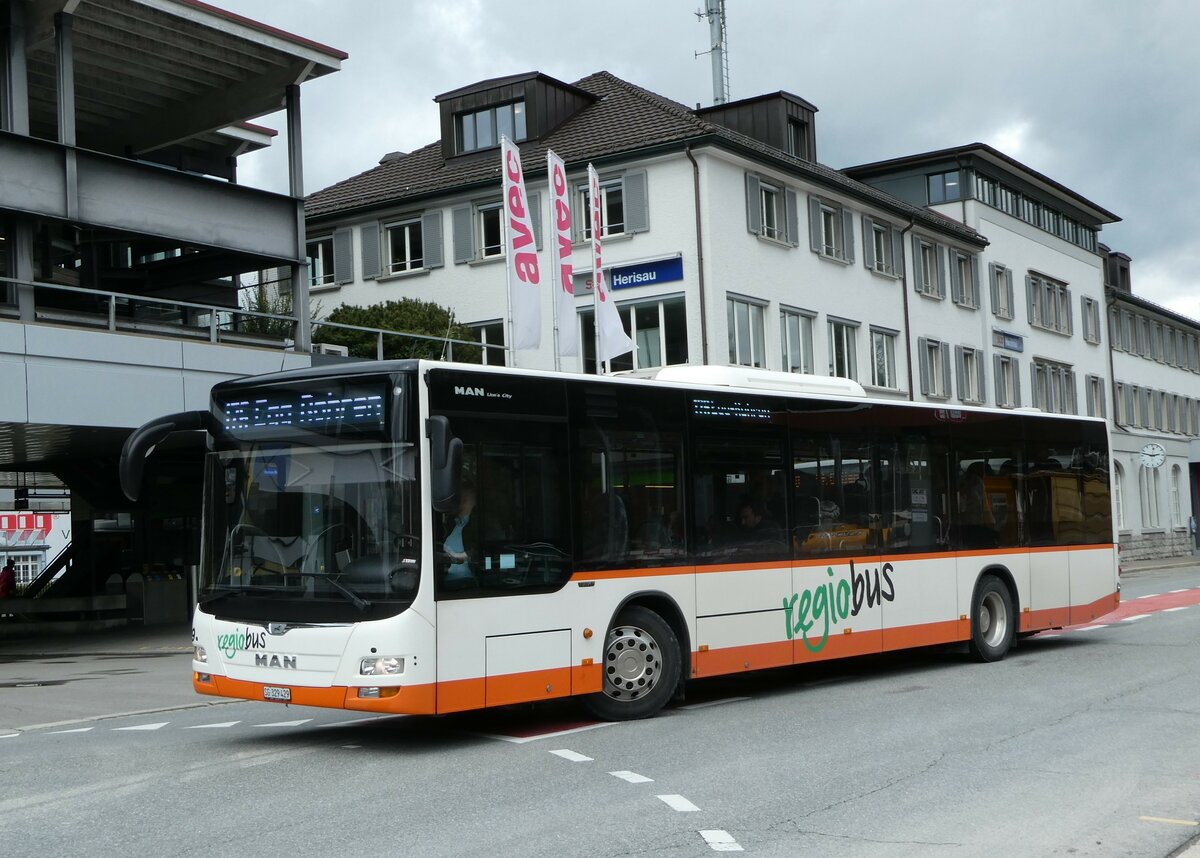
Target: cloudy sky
(1101,95)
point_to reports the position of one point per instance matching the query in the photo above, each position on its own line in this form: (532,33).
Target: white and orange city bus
(422,537)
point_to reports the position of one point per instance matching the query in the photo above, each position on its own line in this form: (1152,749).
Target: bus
(422,537)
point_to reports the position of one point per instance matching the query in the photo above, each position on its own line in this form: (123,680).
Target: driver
(460,570)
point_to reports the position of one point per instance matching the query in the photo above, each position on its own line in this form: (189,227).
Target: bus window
(833,496)
(1093,470)
(987,475)
(916,514)
(740,506)
(1065,485)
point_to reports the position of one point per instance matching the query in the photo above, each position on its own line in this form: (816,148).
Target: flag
(562,272)
(613,341)
(524,276)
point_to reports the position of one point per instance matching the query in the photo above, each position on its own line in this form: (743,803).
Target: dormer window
(481,129)
(797,138)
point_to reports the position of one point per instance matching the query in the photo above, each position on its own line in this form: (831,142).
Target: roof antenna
(714,11)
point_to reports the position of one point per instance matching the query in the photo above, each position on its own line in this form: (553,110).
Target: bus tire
(993,620)
(641,667)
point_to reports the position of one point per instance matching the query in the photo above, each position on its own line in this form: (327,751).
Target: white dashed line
(10,735)
(143,726)
(1091,628)
(573,756)
(286,723)
(1050,636)
(678,802)
(721,841)
(76,730)
(1147,596)
(1184,590)
(1172,610)
(521,740)
(216,726)
(708,703)
(632,777)
(1134,617)
(352,747)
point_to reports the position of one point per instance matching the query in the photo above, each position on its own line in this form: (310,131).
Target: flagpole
(512,351)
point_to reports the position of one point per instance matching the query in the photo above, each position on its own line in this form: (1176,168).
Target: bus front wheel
(993,621)
(641,666)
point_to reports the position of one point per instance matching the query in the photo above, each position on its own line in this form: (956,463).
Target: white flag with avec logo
(612,341)
(562,271)
(524,276)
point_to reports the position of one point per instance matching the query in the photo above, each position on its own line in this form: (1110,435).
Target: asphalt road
(1086,743)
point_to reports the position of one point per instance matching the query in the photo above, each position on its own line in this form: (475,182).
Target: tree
(406,316)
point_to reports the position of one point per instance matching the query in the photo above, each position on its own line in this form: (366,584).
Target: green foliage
(407,316)
(265,299)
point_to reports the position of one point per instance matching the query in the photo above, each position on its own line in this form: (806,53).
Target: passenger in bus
(756,525)
(454,546)
(977,528)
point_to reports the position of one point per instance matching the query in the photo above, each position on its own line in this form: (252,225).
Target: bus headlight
(382,665)
(198,654)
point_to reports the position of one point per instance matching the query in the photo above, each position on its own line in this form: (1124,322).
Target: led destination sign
(332,409)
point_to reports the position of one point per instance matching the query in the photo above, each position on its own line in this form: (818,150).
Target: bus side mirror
(445,464)
(142,442)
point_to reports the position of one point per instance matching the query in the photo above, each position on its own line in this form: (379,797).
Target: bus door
(839,585)
(1053,517)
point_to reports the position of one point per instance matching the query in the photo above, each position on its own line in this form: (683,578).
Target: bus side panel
(1050,587)
(737,642)
(973,564)
(924,608)
(1093,583)
(527,667)
(836,609)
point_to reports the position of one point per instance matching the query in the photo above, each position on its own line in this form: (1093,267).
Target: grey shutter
(431,239)
(960,372)
(982,371)
(868,227)
(1033,385)
(944,348)
(940,280)
(370,250)
(1070,313)
(816,239)
(535,218)
(637,212)
(1072,392)
(464,234)
(1029,298)
(956,284)
(974,296)
(917,263)
(994,281)
(753,205)
(793,216)
(897,252)
(1016,391)
(998,372)
(847,235)
(1091,399)
(343,256)
(923,364)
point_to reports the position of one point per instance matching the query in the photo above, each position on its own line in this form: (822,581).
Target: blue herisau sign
(646,273)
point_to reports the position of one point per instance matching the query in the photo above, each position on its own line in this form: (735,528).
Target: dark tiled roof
(625,118)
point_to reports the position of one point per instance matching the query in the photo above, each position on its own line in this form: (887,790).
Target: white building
(959,276)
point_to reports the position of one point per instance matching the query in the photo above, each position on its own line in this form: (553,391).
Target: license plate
(271,692)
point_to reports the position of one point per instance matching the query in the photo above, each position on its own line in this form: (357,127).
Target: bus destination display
(329,411)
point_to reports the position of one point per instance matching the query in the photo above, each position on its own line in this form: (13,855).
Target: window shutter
(431,239)
(944,348)
(1016,391)
(940,279)
(1033,385)
(753,205)
(793,217)
(960,372)
(1008,290)
(637,212)
(982,372)
(994,282)
(535,218)
(998,372)
(848,235)
(974,296)
(343,256)
(1091,398)
(918,263)
(956,284)
(370,250)
(1070,313)
(868,233)
(923,364)
(897,253)
(1030,299)
(815,238)
(1071,393)
(464,234)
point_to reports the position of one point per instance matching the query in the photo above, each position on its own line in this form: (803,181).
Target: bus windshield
(298,532)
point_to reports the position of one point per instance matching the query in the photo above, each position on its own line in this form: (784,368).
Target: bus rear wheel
(993,621)
(641,667)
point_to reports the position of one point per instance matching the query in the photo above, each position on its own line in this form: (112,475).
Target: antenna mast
(714,11)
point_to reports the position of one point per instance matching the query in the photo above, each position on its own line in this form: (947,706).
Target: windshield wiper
(351,597)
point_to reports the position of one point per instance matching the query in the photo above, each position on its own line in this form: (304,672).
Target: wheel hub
(632,663)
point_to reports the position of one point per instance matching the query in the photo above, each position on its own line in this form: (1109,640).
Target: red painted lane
(1148,605)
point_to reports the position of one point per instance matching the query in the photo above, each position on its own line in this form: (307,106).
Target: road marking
(573,756)
(521,740)
(286,723)
(143,726)
(363,720)
(76,730)
(678,802)
(1091,628)
(1172,610)
(1147,596)
(1134,617)
(708,703)
(10,735)
(1050,636)
(721,841)
(632,777)
(1188,822)
(352,747)
(216,726)
(1184,590)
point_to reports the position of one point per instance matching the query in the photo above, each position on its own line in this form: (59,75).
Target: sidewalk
(1138,566)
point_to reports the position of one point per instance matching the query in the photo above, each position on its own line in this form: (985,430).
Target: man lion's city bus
(422,537)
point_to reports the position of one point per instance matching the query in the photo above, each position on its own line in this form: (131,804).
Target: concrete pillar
(16,120)
(300,306)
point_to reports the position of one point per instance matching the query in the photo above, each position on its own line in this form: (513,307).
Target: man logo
(287,662)
(468,391)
